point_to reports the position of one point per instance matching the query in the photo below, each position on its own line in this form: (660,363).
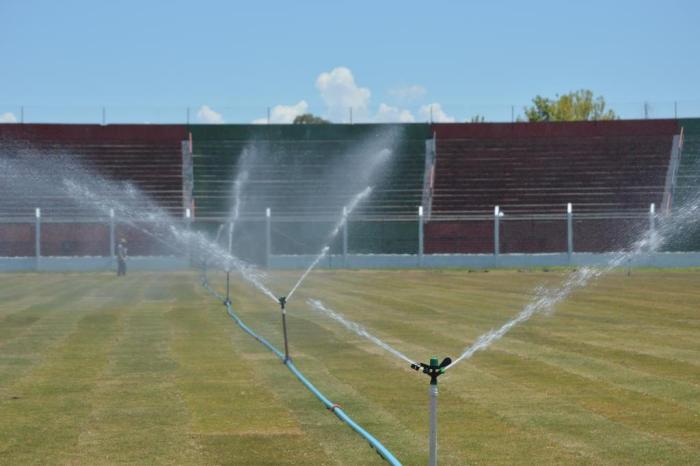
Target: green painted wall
(688,181)
(217,151)
(212,133)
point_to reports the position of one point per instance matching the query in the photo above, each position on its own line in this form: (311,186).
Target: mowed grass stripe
(361,399)
(23,289)
(672,391)
(682,392)
(138,415)
(402,420)
(471,444)
(336,438)
(636,359)
(472,433)
(666,366)
(476,317)
(671,427)
(609,378)
(58,322)
(17,317)
(683,428)
(42,419)
(571,429)
(235,417)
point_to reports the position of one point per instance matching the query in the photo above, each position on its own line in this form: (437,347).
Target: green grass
(149,369)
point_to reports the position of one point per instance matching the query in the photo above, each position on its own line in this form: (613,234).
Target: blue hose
(334,408)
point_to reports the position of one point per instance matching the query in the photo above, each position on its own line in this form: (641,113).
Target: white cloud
(205,114)
(389,114)
(408,93)
(8,118)
(438,114)
(284,113)
(340,93)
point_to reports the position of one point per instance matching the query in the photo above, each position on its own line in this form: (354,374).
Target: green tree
(477,119)
(309,119)
(574,106)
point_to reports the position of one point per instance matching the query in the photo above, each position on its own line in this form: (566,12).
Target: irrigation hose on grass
(332,407)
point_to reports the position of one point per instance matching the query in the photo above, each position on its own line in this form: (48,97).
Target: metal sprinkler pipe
(283,304)
(433,370)
(228,283)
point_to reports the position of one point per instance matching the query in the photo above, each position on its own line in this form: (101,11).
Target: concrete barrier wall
(370,261)
(359,261)
(90,264)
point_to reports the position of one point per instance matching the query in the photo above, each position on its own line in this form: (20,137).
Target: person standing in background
(121,257)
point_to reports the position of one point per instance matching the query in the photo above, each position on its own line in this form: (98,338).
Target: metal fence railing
(264,114)
(255,238)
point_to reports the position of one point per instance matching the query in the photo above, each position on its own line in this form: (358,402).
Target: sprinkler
(283,303)
(433,370)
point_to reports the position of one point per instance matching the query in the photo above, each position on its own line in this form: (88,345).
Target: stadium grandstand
(301,172)
(148,157)
(610,171)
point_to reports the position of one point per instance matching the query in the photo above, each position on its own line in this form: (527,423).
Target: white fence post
(37,234)
(569,231)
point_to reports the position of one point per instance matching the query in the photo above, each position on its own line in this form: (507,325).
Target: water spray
(283,300)
(308,270)
(347,210)
(358,329)
(237,189)
(546,299)
(178,236)
(433,370)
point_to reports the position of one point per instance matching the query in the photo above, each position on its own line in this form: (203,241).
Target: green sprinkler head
(434,369)
(283,301)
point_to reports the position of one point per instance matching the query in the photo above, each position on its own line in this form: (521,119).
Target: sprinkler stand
(283,304)
(433,370)
(228,281)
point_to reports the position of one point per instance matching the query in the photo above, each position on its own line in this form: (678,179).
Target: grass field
(149,369)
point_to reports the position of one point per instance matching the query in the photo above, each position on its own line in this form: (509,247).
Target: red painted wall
(38,133)
(71,239)
(16,239)
(532,236)
(155,146)
(555,129)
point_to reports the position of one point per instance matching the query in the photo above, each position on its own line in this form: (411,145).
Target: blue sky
(146,61)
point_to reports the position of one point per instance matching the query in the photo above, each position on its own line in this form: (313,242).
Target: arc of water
(218,233)
(651,240)
(308,270)
(545,302)
(339,224)
(237,190)
(358,329)
(182,237)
